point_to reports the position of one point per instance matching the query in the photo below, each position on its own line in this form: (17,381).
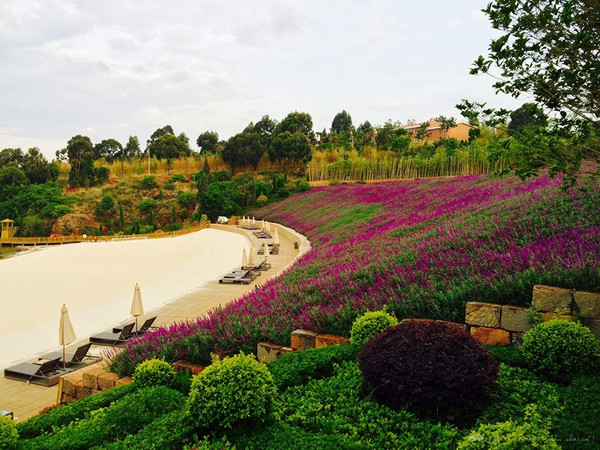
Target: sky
(117,68)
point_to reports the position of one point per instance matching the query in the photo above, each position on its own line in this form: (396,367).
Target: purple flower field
(422,247)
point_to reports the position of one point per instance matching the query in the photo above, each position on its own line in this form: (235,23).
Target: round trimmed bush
(232,392)
(8,433)
(430,366)
(154,372)
(561,350)
(369,325)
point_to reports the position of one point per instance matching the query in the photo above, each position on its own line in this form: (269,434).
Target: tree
(549,48)
(13,156)
(12,179)
(207,141)
(243,149)
(423,132)
(109,149)
(342,123)
(80,155)
(132,149)
(528,115)
(169,147)
(167,129)
(290,146)
(446,123)
(105,210)
(297,122)
(37,168)
(221,199)
(265,128)
(477,114)
(385,135)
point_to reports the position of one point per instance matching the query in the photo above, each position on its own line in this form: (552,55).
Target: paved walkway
(26,400)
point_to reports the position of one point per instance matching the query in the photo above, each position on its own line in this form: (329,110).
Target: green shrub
(580,423)
(517,389)
(561,350)
(509,435)
(177,178)
(168,431)
(66,414)
(336,406)
(8,432)
(262,200)
(124,417)
(297,368)
(149,182)
(232,392)
(154,372)
(507,355)
(369,325)
(182,382)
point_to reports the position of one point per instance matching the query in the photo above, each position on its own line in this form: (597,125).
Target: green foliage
(336,406)
(154,372)
(507,355)
(290,146)
(296,122)
(12,179)
(243,149)
(509,435)
(64,415)
(167,431)
(106,207)
(8,433)
(580,423)
(177,178)
(517,388)
(221,199)
(186,199)
(294,369)
(124,417)
(147,205)
(207,141)
(561,350)
(342,123)
(231,393)
(149,182)
(262,200)
(369,325)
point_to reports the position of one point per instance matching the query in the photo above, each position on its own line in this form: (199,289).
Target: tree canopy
(294,146)
(207,141)
(342,123)
(243,149)
(297,122)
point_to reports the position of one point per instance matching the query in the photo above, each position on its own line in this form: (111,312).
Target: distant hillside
(423,248)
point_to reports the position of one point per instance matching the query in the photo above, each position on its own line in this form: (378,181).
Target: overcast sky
(114,68)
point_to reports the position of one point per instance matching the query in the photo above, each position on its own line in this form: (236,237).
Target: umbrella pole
(136,330)
(64,362)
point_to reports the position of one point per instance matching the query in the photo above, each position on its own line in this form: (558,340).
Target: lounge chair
(141,329)
(43,371)
(72,358)
(109,338)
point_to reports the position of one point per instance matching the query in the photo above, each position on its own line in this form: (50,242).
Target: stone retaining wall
(505,324)
(87,381)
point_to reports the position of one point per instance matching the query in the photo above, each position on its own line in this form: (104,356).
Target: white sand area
(96,281)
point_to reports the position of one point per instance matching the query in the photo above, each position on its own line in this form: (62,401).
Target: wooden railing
(15,240)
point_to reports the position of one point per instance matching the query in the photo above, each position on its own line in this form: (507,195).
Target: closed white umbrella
(137,308)
(276,237)
(244,258)
(66,334)
(251,259)
(266,250)
(253,221)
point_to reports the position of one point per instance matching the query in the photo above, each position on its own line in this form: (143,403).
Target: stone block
(491,336)
(552,299)
(267,352)
(587,304)
(515,318)
(285,350)
(124,380)
(516,339)
(107,381)
(68,387)
(593,324)
(303,339)
(326,340)
(188,367)
(90,377)
(80,390)
(483,314)
(67,398)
